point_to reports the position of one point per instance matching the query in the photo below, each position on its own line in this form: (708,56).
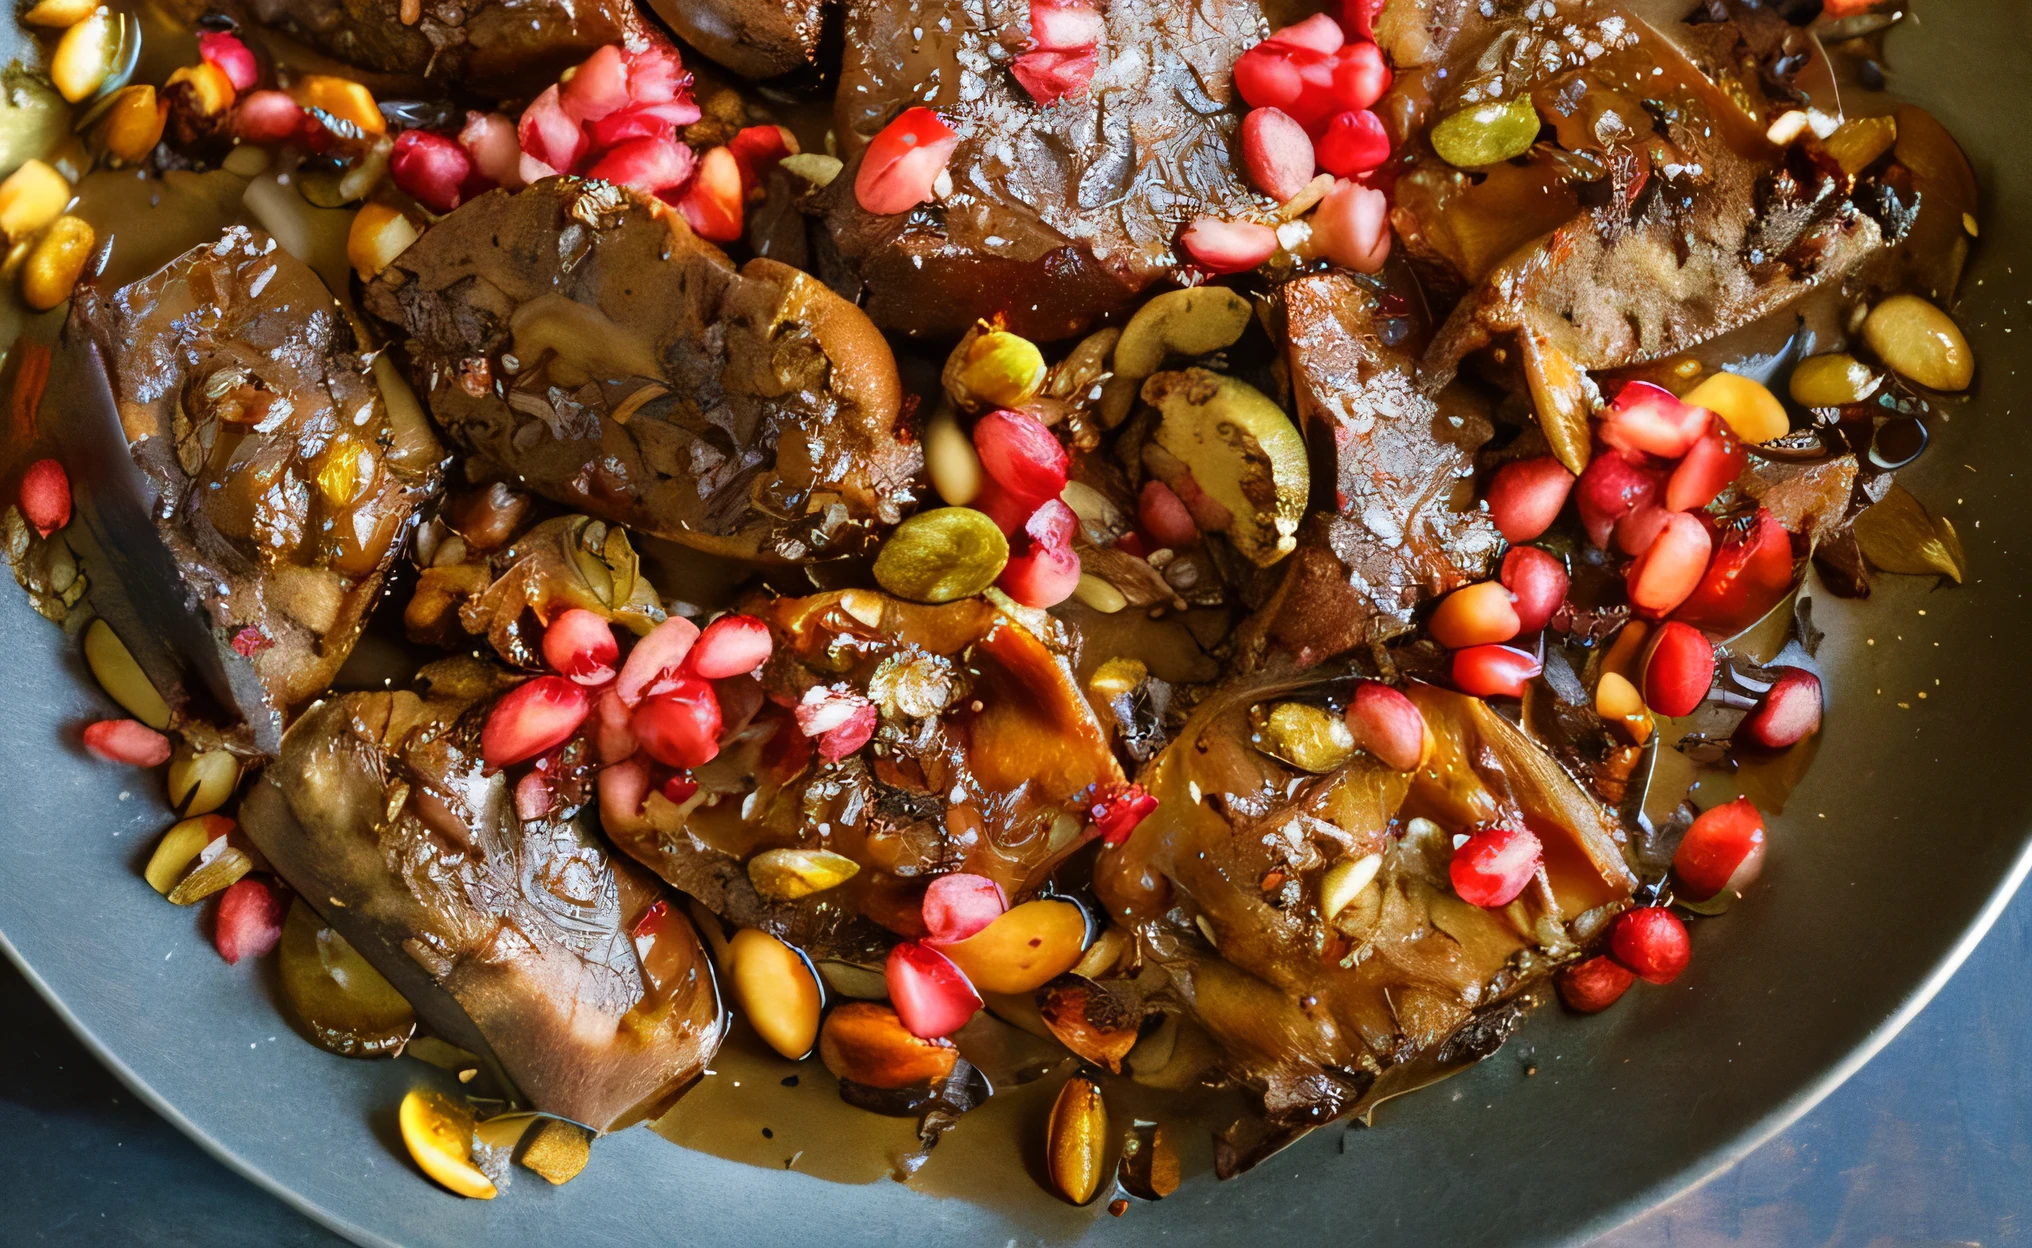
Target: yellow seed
(378,235)
(1832,380)
(31,197)
(814,167)
(1618,702)
(776,990)
(52,268)
(132,125)
(1753,412)
(113,666)
(1860,140)
(787,874)
(863,606)
(211,92)
(1308,736)
(1118,676)
(201,781)
(1623,652)
(950,459)
(179,847)
(17,255)
(84,56)
(1344,881)
(59,14)
(942,555)
(1099,594)
(218,868)
(342,98)
(1921,342)
(1078,1140)
(559,1151)
(994,369)
(439,1136)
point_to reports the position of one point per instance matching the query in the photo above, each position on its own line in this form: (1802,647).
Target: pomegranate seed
(1049,76)
(1132,543)
(1525,496)
(1494,671)
(1020,454)
(1671,567)
(678,789)
(250,920)
(1116,815)
(1008,512)
(757,150)
(251,641)
(623,788)
(679,724)
(658,655)
(655,76)
(1311,73)
(841,720)
(550,134)
(1709,467)
(1537,583)
(1788,714)
(1277,152)
(1652,942)
(1354,143)
(1360,16)
(1679,670)
(532,797)
(958,905)
(429,168)
(580,644)
(1649,419)
(1161,516)
(1351,227)
(1388,725)
(46,496)
(223,51)
(643,121)
(1636,531)
(732,645)
(1318,33)
(127,741)
(599,86)
(1360,76)
(930,995)
(491,145)
(1724,849)
(269,118)
(613,740)
(538,715)
(1492,867)
(1594,985)
(1474,615)
(712,203)
(659,164)
(1040,577)
(903,161)
(1611,487)
(1227,246)
(1751,572)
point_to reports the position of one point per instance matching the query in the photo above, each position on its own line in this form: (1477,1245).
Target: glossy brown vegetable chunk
(243,488)
(517,941)
(585,340)
(754,38)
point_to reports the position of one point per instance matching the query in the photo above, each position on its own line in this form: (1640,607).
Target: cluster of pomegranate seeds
(1492,867)
(46,496)
(127,741)
(931,996)
(1063,52)
(1313,73)
(1723,849)
(533,718)
(249,922)
(224,52)
(1679,669)
(580,644)
(958,905)
(1388,725)
(1651,941)
(1117,814)
(840,720)
(1788,713)
(1594,984)
(903,162)
(1494,671)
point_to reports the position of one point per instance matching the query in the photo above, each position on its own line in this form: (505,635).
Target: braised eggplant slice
(754,38)
(585,340)
(524,942)
(983,758)
(243,488)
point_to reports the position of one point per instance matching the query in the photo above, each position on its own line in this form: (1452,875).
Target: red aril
(1360,76)
(1679,670)
(1537,582)
(429,168)
(1359,16)
(1042,576)
(490,143)
(1494,865)
(250,920)
(903,161)
(1723,849)
(712,204)
(958,905)
(1277,152)
(930,995)
(1593,985)
(1116,815)
(1318,33)
(1351,227)
(1494,671)
(613,739)
(1352,144)
(580,644)
(46,496)
(1636,531)
(1649,419)
(732,645)
(1525,496)
(1020,454)
(623,788)
(1651,941)
(655,75)
(1009,512)
(758,150)
(1611,487)
(1388,725)
(1713,462)
(1227,246)
(269,118)
(678,789)
(598,86)
(127,741)
(532,797)
(840,720)
(1671,566)
(659,654)
(549,134)
(537,715)
(1163,518)
(1750,573)
(643,121)
(679,724)
(657,164)
(1788,713)
(1474,615)
(224,51)
(1049,76)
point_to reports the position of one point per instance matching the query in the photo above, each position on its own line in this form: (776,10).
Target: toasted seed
(814,167)
(994,369)
(132,125)
(942,555)
(1750,410)
(1618,702)
(787,874)
(59,14)
(342,98)
(1077,1142)
(200,781)
(84,56)
(1099,594)
(950,459)
(1118,676)
(558,1151)
(378,235)
(1104,954)
(1832,380)
(777,991)
(1344,881)
(207,89)
(1860,140)
(179,847)
(1306,736)
(1921,342)
(52,268)
(113,666)
(220,865)
(439,1136)
(1098,1024)
(864,1042)
(32,196)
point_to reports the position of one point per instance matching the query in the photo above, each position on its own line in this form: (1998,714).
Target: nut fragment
(84,56)
(1149,1163)
(1752,412)
(342,1001)
(993,368)
(1076,1145)
(950,459)
(557,1151)
(1344,881)
(132,125)
(814,167)
(1099,594)
(439,1136)
(777,991)
(220,865)
(342,98)
(787,874)
(1920,342)
(378,235)
(866,1043)
(1096,1023)
(942,555)
(113,666)
(31,197)
(1118,676)
(1195,321)
(1308,737)
(200,781)
(53,265)
(179,847)
(1233,457)
(1832,380)
(1860,140)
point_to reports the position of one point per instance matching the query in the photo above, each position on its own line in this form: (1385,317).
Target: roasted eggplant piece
(1059,215)
(753,38)
(1404,527)
(586,341)
(241,484)
(1325,1004)
(983,758)
(523,942)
